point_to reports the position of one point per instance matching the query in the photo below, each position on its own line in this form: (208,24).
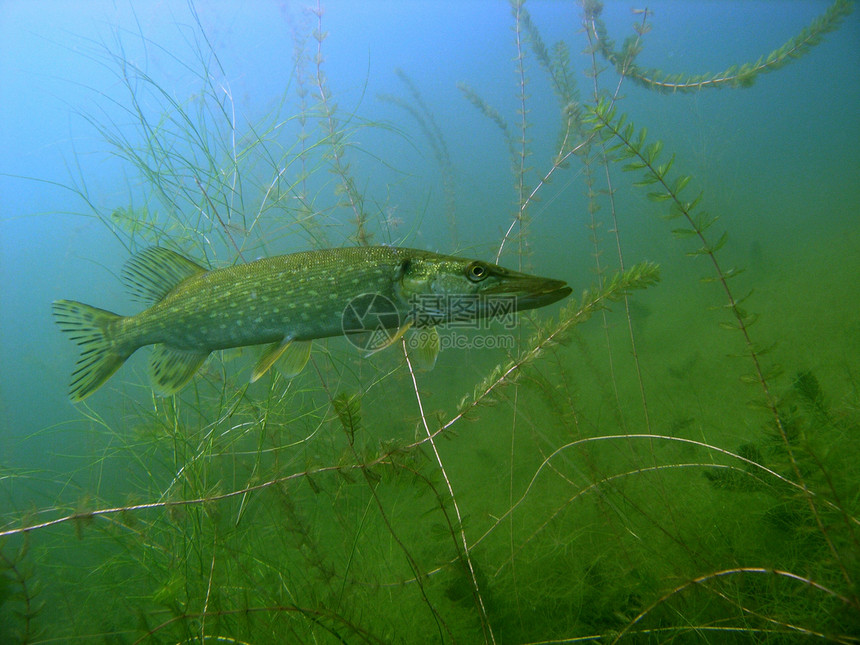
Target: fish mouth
(531,293)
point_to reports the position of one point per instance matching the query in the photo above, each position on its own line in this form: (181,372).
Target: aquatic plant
(586,485)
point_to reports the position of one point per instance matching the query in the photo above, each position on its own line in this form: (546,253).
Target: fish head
(439,289)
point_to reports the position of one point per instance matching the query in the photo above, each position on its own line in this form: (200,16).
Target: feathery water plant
(632,146)
(736,76)
(621,143)
(426,122)
(19,604)
(337,140)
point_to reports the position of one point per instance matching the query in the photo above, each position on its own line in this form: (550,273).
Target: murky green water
(643,462)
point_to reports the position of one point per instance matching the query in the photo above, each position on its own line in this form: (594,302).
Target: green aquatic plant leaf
(658,196)
(348,410)
(680,182)
(663,169)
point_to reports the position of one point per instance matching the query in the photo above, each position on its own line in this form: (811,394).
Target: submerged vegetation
(588,485)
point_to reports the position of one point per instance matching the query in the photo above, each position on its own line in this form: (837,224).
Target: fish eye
(477,271)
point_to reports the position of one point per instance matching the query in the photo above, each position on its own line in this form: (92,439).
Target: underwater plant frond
(18,592)
(348,410)
(736,76)
(423,117)
(620,284)
(352,196)
(631,148)
(644,157)
(555,61)
(710,579)
(492,114)
(465,556)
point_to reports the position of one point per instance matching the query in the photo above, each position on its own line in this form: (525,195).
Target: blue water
(777,164)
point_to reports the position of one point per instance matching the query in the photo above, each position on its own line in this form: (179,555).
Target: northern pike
(284,302)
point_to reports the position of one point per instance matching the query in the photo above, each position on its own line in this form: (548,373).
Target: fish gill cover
(669,453)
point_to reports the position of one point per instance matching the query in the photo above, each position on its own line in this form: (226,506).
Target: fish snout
(531,292)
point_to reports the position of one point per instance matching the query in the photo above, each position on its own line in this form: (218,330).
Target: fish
(370,294)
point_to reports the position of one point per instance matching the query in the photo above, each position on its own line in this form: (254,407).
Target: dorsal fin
(153,272)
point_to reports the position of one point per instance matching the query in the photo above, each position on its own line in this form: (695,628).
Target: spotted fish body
(283,302)
(301,295)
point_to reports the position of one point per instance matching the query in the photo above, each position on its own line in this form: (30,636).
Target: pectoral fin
(170,368)
(424,345)
(392,340)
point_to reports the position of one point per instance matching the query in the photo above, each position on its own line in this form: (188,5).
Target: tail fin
(91,328)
